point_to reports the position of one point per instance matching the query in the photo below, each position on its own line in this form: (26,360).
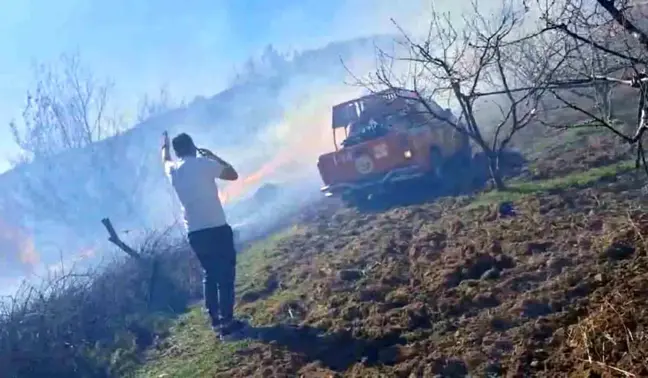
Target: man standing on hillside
(211,238)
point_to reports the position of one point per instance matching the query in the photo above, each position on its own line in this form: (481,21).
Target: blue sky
(191,46)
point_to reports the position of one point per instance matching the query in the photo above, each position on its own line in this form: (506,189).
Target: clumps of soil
(268,286)
(538,247)
(555,288)
(479,267)
(350,274)
(618,251)
(534,307)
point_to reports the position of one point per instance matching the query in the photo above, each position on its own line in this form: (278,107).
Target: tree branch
(116,240)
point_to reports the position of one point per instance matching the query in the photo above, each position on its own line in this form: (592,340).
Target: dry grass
(98,323)
(453,288)
(446,288)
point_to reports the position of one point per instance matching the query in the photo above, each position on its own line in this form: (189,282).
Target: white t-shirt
(193,179)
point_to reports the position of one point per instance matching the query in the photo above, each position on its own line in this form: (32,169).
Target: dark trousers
(214,247)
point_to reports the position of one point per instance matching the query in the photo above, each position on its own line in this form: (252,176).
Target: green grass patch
(574,180)
(493,197)
(255,273)
(253,263)
(192,349)
(518,191)
(568,139)
(265,311)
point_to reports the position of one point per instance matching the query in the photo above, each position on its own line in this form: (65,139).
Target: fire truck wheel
(436,161)
(458,172)
(360,200)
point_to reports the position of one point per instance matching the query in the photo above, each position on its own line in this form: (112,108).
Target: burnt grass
(454,288)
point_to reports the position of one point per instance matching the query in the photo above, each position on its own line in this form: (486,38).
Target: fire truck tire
(458,164)
(437,163)
(358,200)
(458,168)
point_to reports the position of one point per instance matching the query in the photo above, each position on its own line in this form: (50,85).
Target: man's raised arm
(166,153)
(228,172)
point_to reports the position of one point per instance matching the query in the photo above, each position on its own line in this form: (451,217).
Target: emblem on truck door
(342,158)
(364,164)
(380,151)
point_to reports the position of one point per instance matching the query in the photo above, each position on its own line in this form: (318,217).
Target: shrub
(98,323)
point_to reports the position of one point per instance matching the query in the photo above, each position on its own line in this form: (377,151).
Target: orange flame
(87,253)
(17,244)
(240,187)
(304,134)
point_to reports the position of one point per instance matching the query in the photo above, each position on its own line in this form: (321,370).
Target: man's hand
(205,152)
(208,154)
(165,140)
(166,153)
(229,173)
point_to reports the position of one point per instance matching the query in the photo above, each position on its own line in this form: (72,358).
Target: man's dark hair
(183,145)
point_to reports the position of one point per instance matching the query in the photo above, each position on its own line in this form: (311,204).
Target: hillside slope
(449,288)
(121,176)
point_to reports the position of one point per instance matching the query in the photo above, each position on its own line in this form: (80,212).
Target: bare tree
(270,63)
(70,171)
(68,109)
(151,106)
(611,30)
(589,61)
(479,67)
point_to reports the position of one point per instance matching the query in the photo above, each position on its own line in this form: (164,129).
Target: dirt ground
(447,289)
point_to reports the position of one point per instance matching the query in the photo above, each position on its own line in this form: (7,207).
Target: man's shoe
(217,330)
(234,330)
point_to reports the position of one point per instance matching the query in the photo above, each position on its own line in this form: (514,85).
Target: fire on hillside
(18,247)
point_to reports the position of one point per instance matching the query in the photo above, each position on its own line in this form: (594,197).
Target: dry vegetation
(96,324)
(448,288)
(451,288)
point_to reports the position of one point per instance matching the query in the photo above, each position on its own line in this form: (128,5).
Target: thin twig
(624,372)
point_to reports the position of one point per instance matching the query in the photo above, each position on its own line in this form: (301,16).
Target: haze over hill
(494,263)
(273,126)
(283,97)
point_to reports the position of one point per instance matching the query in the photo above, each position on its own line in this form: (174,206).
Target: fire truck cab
(392,136)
